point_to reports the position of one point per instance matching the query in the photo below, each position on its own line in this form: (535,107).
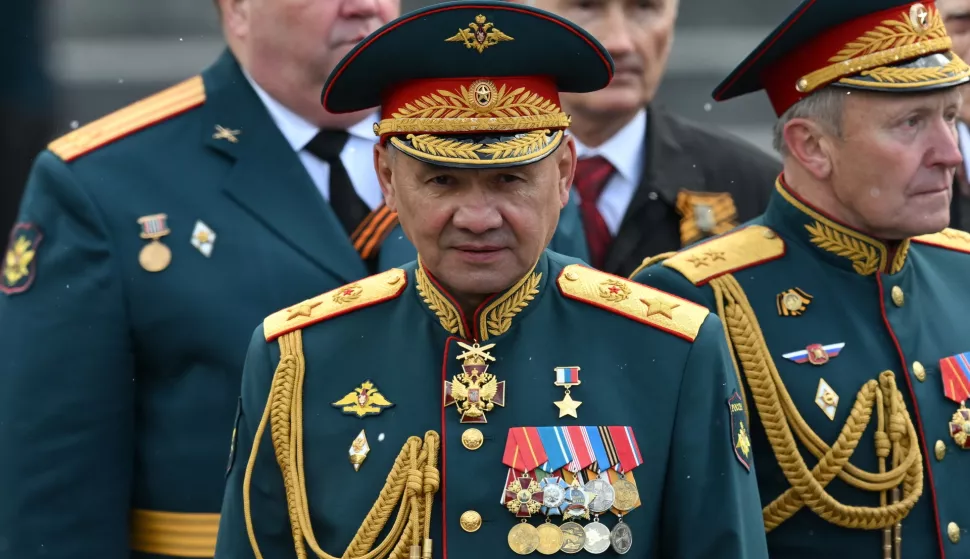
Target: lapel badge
(792,302)
(826,399)
(704,214)
(816,354)
(223,133)
(19,266)
(203,238)
(474,391)
(155,256)
(359,449)
(365,400)
(567,377)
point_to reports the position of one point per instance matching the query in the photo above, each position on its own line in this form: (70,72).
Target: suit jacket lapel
(267,178)
(667,169)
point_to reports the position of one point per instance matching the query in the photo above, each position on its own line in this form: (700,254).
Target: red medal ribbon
(626,448)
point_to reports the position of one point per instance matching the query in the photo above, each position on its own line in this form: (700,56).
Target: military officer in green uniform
(149,244)
(492,398)
(843,302)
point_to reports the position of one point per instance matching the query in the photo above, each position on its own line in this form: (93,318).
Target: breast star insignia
(474,391)
(479,35)
(364,400)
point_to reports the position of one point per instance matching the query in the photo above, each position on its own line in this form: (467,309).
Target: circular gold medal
(550,538)
(155,257)
(627,495)
(523,538)
(573,538)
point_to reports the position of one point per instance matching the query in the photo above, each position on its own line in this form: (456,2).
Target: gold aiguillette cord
(411,483)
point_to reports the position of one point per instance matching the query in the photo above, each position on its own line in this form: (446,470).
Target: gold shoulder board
(364,293)
(952,239)
(142,114)
(630,299)
(728,253)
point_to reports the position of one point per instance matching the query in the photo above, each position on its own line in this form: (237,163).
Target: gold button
(470,521)
(953,531)
(572,276)
(769,234)
(472,439)
(898,297)
(919,371)
(940,450)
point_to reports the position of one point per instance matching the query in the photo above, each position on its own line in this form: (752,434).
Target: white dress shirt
(357,156)
(625,152)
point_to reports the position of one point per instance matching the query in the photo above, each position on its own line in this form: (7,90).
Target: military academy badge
(704,214)
(739,430)
(20,262)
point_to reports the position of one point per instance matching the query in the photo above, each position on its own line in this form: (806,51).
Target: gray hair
(823,107)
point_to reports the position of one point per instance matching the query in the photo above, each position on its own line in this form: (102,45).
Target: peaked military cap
(470,84)
(876,45)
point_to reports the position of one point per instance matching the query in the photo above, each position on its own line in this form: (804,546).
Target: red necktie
(592,175)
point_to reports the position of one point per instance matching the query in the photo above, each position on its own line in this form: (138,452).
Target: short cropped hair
(823,107)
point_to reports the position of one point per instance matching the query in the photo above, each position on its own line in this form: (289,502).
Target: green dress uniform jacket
(119,386)
(648,361)
(845,344)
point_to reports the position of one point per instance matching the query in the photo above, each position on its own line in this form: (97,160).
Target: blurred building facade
(106,53)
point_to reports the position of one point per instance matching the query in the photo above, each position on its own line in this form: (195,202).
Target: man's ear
(566,154)
(235,16)
(810,146)
(384,165)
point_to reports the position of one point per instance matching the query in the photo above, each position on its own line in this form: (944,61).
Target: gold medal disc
(550,538)
(627,495)
(155,257)
(523,538)
(573,538)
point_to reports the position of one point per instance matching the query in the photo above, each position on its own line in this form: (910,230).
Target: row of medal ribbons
(569,475)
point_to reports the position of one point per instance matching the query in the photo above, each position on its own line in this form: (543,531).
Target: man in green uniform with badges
(493,398)
(844,302)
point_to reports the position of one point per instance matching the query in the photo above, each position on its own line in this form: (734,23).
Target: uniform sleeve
(66,381)
(268,508)
(711,505)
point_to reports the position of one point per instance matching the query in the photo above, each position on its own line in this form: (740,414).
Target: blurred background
(75,60)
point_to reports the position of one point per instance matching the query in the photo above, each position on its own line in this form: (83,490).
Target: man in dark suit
(653,181)
(148,245)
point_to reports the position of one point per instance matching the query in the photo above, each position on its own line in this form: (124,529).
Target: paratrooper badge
(474,391)
(363,401)
(19,264)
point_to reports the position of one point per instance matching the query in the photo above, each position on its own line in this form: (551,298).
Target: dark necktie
(348,206)
(592,174)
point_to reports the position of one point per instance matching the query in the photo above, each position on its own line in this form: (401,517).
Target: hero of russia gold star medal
(567,377)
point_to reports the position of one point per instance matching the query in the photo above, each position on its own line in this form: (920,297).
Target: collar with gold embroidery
(839,244)
(493,317)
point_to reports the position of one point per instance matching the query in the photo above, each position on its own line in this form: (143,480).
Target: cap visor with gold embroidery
(470,84)
(874,45)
